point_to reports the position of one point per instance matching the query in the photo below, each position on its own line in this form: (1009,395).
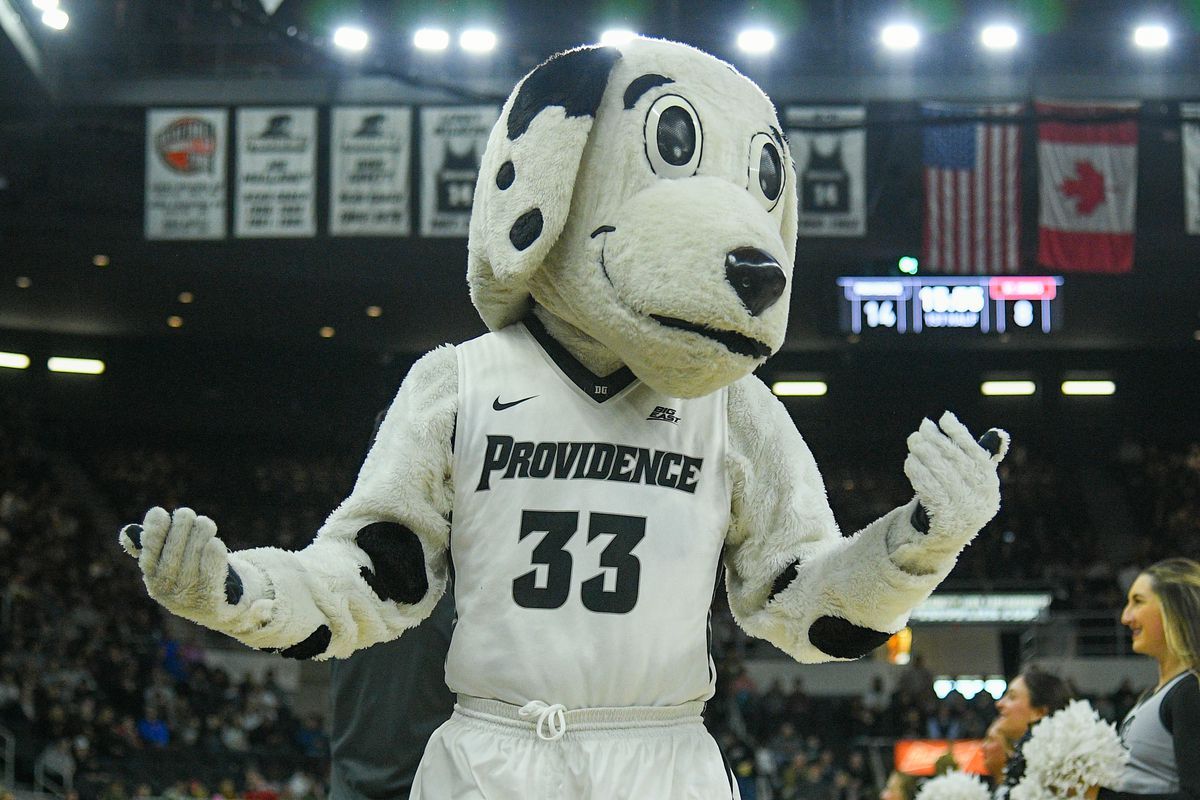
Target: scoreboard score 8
(982,303)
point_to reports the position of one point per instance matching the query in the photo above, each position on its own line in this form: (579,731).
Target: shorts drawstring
(554,717)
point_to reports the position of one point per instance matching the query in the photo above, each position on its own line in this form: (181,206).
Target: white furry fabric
(666,251)
(630,267)
(781,515)
(954,785)
(1069,752)
(286,596)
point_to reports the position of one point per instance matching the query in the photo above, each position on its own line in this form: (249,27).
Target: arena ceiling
(73,261)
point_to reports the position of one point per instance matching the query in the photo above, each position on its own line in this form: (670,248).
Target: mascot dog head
(645,195)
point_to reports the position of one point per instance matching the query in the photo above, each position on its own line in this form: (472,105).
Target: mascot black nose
(756,277)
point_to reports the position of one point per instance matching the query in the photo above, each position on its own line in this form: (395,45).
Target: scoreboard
(980,303)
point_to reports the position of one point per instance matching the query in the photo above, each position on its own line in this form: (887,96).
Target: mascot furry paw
(604,451)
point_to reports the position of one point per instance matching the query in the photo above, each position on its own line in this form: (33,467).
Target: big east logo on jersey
(187,145)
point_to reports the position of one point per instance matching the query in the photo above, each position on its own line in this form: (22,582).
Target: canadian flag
(1087,157)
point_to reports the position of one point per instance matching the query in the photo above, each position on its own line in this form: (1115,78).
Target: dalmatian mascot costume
(583,475)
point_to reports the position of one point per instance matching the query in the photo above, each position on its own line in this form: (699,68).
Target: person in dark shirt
(1162,731)
(387,701)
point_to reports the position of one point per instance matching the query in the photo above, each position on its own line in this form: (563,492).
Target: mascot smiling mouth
(734,342)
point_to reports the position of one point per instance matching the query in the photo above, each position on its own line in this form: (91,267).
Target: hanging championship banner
(185,173)
(452,142)
(829,147)
(369,188)
(276,172)
(1191,165)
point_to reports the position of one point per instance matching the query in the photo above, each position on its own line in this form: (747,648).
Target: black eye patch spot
(504,177)
(642,84)
(526,229)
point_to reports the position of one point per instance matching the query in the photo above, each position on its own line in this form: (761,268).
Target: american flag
(972,189)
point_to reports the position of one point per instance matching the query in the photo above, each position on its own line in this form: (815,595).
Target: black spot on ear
(398,559)
(233,587)
(504,177)
(311,647)
(642,84)
(574,80)
(526,229)
(783,579)
(843,639)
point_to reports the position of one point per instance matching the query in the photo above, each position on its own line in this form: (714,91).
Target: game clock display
(980,303)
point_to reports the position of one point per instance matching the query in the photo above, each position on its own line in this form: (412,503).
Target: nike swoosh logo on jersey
(498,406)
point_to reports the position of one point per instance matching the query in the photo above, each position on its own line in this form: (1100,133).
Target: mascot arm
(794,580)
(376,567)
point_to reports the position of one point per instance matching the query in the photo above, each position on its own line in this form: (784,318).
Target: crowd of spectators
(99,695)
(97,688)
(786,744)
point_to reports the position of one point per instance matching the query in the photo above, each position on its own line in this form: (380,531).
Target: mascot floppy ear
(523,194)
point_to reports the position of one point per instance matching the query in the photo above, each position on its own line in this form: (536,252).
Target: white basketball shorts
(490,750)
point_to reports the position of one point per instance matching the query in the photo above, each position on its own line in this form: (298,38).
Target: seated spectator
(152,730)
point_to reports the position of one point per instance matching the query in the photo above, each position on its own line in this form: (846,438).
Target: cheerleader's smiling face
(1017,712)
(1143,616)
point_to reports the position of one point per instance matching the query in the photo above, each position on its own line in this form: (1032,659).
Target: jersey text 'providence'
(589,517)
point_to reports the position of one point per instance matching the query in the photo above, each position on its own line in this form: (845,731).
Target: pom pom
(954,785)
(1069,752)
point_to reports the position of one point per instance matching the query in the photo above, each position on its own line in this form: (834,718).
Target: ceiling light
(799,388)
(1007,388)
(101,260)
(998,37)
(477,40)
(174,321)
(431,39)
(351,38)
(756,40)
(326,332)
(615,37)
(186,297)
(374,311)
(900,36)
(45,5)
(1151,37)
(14,360)
(78,366)
(1089,388)
(23,282)
(55,18)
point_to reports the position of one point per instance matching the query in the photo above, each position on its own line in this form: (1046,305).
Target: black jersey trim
(595,387)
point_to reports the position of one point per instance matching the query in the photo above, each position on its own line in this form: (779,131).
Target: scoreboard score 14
(980,303)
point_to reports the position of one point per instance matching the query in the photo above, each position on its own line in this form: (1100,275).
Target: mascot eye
(673,137)
(766,170)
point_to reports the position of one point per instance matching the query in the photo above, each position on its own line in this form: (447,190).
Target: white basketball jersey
(589,518)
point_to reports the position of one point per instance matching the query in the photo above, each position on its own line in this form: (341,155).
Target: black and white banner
(186,153)
(829,146)
(276,172)
(452,142)
(368,187)
(1191,165)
